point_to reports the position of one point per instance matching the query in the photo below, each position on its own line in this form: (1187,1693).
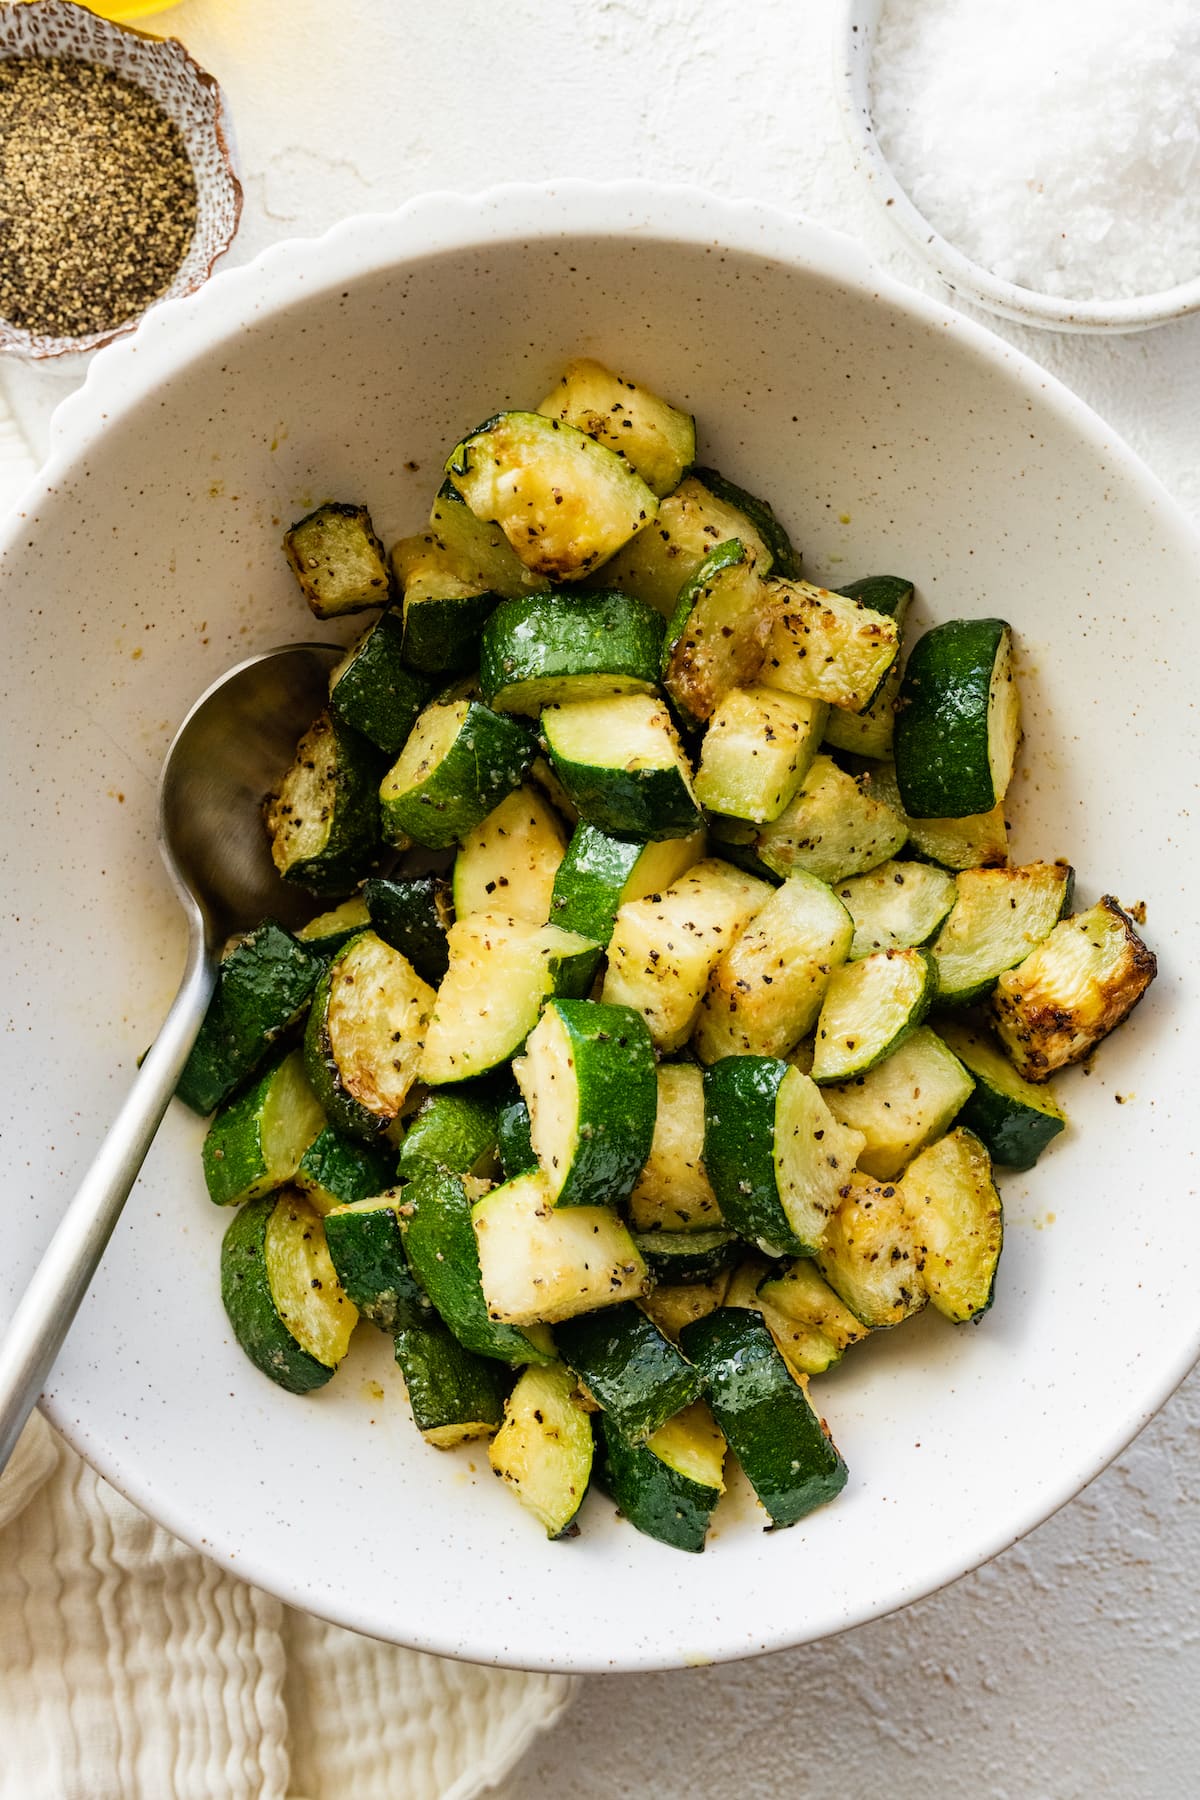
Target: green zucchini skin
(635,1373)
(454,1394)
(374,692)
(677,1256)
(263,987)
(513,1142)
(592,879)
(548,648)
(785,559)
(649,801)
(334,778)
(243,1156)
(657,1500)
(610,1059)
(250,1306)
(740,1096)
(890,594)
(1013,1119)
(771,1426)
(440,1243)
(454,1129)
(337,1170)
(489,757)
(367,1249)
(942,720)
(330,932)
(413,913)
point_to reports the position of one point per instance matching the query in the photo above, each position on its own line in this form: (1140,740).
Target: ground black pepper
(97,197)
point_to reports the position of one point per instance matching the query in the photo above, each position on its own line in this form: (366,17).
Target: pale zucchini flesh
(999,916)
(673,1192)
(509,861)
(303,1281)
(656,438)
(827,646)
(897,905)
(539,1262)
(543,1450)
(870,1007)
(834,826)
(759,746)
(957,1221)
(870,1256)
(903,1103)
(691,522)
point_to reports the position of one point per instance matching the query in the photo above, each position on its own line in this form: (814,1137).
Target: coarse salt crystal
(1056,142)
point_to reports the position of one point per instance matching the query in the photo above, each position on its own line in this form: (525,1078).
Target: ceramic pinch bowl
(189,96)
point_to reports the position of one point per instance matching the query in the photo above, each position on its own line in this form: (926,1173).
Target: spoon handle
(61,1279)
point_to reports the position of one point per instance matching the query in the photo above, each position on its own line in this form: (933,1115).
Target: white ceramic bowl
(854,49)
(892,434)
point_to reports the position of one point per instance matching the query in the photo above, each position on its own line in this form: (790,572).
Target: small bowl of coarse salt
(1043,155)
(117,186)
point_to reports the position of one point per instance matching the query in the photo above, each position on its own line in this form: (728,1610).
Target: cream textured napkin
(132,1668)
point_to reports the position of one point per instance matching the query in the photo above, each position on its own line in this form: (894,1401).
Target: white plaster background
(1071,1665)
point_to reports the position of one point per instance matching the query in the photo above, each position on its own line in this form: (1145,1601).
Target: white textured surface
(1070,1666)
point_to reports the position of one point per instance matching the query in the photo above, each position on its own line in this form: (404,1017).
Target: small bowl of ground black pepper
(117,187)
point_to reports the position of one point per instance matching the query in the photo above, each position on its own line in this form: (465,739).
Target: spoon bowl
(234,744)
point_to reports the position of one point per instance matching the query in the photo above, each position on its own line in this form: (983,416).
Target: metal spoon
(233,746)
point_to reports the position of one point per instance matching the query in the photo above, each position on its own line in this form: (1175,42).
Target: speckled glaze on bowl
(892,434)
(189,96)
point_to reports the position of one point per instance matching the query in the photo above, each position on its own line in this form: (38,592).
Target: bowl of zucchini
(721,1100)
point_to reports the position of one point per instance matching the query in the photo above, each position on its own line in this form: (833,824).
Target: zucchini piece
(1069,993)
(673,1194)
(539,1262)
(479,550)
(413,913)
(977,841)
(956,1216)
(898,905)
(765,993)
(564,502)
(281,1293)
(790,1460)
(630,1369)
(747,1278)
(784,560)
(338,560)
(501,969)
(675,1256)
(655,438)
(331,931)
(870,732)
(1013,1119)
(811,1327)
(458,764)
(543,1450)
(509,861)
(455,1395)
(870,1257)
(454,1129)
(324,821)
(665,946)
(661,561)
(758,748)
(551,649)
(622,766)
(364,1035)
(998,918)
(337,1170)
(826,646)
(367,1250)
(372,691)
(958,720)
(668,1486)
(513,1140)
(440,1243)
(255,1143)
(589,1082)
(834,827)
(599,873)
(672,1307)
(870,1007)
(903,1103)
(775,1154)
(444,607)
(717,633)
(264,984)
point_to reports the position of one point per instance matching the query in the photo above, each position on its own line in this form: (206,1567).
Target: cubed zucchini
(543,1450)
(871,1258)
(338,560)
(460,761)
(282,1294)
(509,861)
(655,438)
(661,561)
(622,765)
(630,1369)
(364,1035)
(717,633)
(371,689)
(673,1194)
(903,1103)
(758,748)
(958,1224)
(550,649)
(827,646)
(540,1262)
(264,985)
(958,720)
(255,1143)
(324,821)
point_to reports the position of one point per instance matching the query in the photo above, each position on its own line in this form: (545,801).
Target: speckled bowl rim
(853,45)
(188,330)
(32,346)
